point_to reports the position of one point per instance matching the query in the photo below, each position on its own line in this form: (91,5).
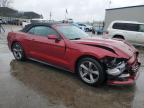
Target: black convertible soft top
(29,26)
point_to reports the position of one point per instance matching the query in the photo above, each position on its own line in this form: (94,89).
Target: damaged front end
(121,71)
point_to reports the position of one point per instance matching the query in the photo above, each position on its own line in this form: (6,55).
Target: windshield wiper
(75,39)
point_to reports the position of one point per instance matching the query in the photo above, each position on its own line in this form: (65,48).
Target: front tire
(90,71)
(18,52)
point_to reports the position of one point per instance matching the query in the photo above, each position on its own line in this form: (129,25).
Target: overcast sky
(79,10)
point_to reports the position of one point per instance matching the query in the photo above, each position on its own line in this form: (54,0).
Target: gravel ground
(33,85)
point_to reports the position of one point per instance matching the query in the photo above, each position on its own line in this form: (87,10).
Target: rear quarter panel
(17,37)
(10,38)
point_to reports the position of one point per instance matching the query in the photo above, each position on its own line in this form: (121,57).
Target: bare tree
(5,3)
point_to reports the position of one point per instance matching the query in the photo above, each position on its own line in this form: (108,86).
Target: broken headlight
(114,66)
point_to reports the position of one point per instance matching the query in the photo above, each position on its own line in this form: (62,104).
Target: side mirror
(53,37)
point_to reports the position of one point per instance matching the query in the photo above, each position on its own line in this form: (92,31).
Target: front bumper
(133,75)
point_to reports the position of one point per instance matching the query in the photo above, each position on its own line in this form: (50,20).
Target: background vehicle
(88,28)
(96,60)
(2,21)
(70,20)
(24,23)
(131,31)
(81,26)
(99,30)
(85,27)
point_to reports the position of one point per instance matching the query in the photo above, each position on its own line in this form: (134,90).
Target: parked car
(65,46)
(81,26)
(70,20)
(128,30)
(85,27)
(2,21)
(76,25)
(24,23)
(88,28)
(99,30)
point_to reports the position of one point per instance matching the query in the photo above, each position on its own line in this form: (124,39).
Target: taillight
(106,32)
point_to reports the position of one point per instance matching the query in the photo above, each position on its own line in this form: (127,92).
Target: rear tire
(18,52)
(90,71)
(119,37)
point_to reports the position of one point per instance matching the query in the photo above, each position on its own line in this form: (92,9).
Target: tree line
(5,3)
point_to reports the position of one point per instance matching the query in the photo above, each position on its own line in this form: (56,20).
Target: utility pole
(66,13)
(0,3)
(110,2)
(50,16)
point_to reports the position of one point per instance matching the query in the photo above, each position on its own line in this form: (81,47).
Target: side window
(52,32)
(44,31)
(126,26)
(120,26)
(141,28)
(31,31)
(132,27)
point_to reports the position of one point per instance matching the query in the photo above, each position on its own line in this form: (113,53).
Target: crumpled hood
(117,45)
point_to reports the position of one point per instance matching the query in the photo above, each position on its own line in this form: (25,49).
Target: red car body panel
(65,53)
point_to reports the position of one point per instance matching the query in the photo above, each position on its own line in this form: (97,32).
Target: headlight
(117,70)
(112,62)
(114,66)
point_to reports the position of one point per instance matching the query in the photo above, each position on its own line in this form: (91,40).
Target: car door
(131,32)
(140,34)
(28,41)
(46,49)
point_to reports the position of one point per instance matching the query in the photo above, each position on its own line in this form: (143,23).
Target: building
(7,12)
(31,15)
(132,13)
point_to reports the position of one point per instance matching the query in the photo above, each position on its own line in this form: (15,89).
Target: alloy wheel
(89,72)
(17,51)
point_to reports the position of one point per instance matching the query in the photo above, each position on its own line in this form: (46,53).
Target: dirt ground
(33,85)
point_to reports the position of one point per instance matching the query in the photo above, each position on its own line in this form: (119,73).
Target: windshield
(72,32)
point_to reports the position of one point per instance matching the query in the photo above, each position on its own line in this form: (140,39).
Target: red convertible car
(67,47)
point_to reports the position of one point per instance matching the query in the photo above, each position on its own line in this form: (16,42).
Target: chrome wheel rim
(17,51)
(89,72)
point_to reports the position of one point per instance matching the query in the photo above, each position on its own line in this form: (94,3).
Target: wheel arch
(97,60)
(23,55)
(84,56)
(15,41)
(120,35)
